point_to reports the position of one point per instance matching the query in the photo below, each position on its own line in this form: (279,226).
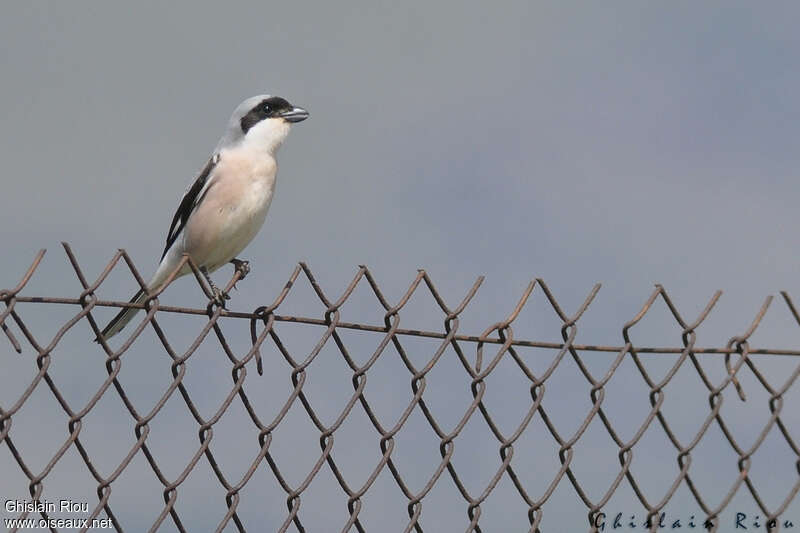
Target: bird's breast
(233,210)
(245,182)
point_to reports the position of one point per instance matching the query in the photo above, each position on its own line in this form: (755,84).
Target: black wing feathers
(187,205)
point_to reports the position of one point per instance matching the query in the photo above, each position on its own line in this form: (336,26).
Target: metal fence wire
(479,355)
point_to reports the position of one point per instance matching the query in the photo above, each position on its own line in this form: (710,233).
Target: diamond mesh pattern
(479,356)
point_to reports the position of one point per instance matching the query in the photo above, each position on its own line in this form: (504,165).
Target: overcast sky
(577,143)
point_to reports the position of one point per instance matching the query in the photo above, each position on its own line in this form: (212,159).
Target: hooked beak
(296,114)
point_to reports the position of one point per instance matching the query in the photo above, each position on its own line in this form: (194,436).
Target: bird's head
(261,121)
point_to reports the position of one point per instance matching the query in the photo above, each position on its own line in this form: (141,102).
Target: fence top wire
(499,335)
(363,272)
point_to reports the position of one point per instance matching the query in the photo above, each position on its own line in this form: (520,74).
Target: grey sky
(577,143)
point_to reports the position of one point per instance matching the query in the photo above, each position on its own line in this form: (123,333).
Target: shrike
(225,207)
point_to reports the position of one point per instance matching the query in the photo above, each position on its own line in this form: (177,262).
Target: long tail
(123,317)
(168,264)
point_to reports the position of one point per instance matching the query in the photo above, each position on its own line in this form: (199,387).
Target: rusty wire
(737,354)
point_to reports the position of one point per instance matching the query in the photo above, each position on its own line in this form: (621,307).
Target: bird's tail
(165,269)
(123,317)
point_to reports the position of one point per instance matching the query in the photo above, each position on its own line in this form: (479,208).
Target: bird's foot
(219,296)
(242,267)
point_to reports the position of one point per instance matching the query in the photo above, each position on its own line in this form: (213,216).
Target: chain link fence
(479,356)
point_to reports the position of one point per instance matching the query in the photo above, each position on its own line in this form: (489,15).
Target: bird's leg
(219,294)
(242,267)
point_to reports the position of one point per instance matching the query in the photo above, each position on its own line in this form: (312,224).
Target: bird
(225,207)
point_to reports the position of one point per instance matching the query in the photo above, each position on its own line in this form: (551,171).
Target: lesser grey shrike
(226,205)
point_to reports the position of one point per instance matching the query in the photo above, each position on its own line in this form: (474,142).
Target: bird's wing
(191,199)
